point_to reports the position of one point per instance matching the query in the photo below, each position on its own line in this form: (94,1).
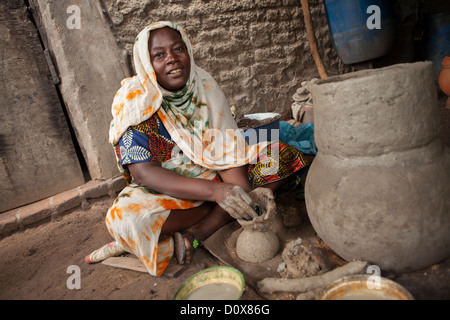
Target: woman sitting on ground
(188,167)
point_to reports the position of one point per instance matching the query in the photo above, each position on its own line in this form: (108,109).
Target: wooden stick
(312,40)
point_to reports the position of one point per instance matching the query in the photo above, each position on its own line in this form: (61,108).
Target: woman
(188,168)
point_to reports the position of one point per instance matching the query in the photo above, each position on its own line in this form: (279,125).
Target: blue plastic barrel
(352,38)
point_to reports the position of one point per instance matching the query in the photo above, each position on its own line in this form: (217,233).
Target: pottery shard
(304,260)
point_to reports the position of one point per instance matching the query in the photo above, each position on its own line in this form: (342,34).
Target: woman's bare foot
(187,241)
(189,251)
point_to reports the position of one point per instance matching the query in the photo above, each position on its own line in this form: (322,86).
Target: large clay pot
(379,187)
(444,76)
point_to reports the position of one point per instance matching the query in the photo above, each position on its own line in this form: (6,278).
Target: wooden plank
(125,263)
(37,155)
(135,264)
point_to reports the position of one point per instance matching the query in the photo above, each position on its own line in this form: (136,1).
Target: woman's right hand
(235,201)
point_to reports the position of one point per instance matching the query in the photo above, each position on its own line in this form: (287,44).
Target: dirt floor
(34,262)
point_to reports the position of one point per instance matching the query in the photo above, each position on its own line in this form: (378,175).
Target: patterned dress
(136,217)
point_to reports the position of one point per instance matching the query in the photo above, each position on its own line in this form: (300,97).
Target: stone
(8,223)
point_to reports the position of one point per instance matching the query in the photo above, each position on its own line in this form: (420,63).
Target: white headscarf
(198,117)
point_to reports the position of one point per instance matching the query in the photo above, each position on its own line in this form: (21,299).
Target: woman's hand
(265,200)
(236,201)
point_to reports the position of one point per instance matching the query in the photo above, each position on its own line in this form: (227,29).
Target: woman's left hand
(236,201)
(263,198)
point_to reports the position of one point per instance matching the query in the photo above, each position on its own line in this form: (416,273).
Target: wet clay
(256,245)
(237,204)
(302,259)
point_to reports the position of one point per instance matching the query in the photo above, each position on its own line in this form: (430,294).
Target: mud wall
(256,50)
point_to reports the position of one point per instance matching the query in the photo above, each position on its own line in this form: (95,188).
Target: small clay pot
(256,246)
(444,76)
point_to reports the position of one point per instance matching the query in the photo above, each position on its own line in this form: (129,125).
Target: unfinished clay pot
(256,246)
(378,189)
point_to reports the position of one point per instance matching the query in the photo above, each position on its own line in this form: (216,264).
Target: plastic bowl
(263,129)
(216,283)
(361,287)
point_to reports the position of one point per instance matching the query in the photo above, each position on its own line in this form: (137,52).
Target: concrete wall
(257,51)
(37,157)
(90,69)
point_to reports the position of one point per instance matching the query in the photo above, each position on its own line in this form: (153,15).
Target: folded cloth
(301,137)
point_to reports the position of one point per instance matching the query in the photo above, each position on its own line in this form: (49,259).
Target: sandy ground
(34,262)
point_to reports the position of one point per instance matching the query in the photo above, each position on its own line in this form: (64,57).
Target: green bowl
(216,283)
